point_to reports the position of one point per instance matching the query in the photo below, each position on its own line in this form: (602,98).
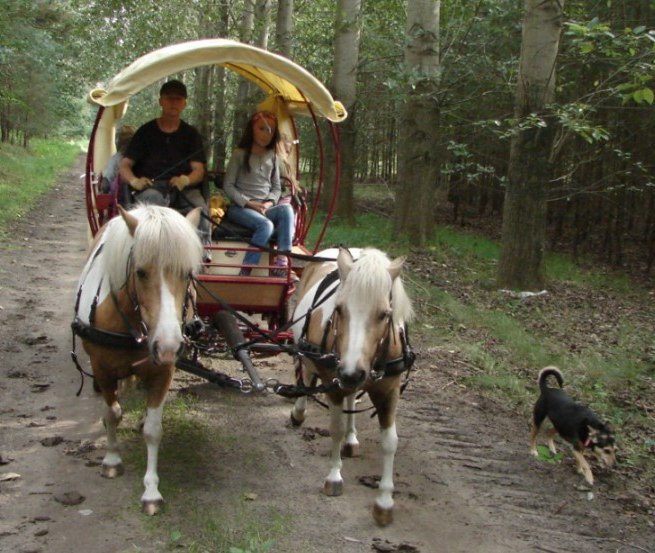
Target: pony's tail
(549,371)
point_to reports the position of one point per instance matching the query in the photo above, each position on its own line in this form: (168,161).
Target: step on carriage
(248,313)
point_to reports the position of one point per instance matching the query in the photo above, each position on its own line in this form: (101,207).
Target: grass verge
(26,174)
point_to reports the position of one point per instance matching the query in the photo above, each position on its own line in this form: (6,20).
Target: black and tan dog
(577,424)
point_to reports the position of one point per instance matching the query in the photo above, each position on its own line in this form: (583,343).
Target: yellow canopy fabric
(274,74)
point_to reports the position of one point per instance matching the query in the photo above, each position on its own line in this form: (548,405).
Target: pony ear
(194,216)
(396,266)
(344,262)
(130,220)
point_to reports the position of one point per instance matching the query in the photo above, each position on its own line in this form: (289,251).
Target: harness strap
(107,338)
(94,303)
(136,335)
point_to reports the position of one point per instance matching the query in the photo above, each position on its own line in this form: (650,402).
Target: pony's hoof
(152,506)
(296,422)
(333,489)
(382,516)
(350,450)
(112,471)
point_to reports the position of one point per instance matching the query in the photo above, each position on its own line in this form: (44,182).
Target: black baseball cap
(173,88)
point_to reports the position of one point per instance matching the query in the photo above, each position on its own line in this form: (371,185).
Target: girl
(252,182)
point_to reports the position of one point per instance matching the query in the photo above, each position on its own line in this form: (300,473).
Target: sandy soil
(465,481)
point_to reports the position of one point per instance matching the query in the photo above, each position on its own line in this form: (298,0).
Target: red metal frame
(90,192)
(337,173)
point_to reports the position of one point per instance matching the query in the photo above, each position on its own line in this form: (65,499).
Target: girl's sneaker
(282,268)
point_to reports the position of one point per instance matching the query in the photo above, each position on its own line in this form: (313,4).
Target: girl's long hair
(248,137)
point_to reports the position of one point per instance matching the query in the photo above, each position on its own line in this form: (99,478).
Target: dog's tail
(549,371)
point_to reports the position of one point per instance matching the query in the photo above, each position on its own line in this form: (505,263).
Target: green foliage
(32,84)
(544,454)
(27,174)
(628,51)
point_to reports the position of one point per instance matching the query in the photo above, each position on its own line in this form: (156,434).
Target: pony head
(371,304)
(152,252)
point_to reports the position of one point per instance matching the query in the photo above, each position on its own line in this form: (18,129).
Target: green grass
(369,230)
(26,174)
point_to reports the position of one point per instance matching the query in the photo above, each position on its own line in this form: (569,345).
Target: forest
(535,116)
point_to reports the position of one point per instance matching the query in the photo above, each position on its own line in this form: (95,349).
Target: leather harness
(330,359)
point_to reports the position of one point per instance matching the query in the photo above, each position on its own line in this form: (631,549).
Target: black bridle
(136,338)
(329,359)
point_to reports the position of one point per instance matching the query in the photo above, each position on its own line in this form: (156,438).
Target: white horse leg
(351,445)
(112,464)
(151,500)
(333,485)
(298,412)
(383,508)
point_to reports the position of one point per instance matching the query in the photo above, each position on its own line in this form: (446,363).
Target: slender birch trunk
(530,168)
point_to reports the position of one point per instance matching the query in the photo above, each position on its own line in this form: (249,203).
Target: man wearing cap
(165,160)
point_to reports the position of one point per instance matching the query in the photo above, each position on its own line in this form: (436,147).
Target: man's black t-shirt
(159,155)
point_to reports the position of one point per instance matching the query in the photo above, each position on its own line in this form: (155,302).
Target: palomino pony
(133,297)
(349,327)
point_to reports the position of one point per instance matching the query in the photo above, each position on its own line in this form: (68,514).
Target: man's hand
(180,182)
(139,183)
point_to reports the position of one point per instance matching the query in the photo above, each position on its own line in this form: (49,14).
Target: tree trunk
(284,28)
(243,91)
(346,58)
(262,23)
(530,168)
(419,153)
(202,103)
(219,122)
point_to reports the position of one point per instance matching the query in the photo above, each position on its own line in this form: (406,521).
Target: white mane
(163,237)
(370,278)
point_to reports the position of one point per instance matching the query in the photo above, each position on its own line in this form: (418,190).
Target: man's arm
(126,173)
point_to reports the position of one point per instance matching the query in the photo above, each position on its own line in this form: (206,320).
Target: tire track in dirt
(537,502)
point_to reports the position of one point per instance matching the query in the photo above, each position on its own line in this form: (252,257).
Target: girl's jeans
(278,218)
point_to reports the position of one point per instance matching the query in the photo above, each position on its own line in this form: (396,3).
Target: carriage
(119,306)
(289,91)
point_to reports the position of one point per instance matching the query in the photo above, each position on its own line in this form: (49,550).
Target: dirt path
(465,482)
